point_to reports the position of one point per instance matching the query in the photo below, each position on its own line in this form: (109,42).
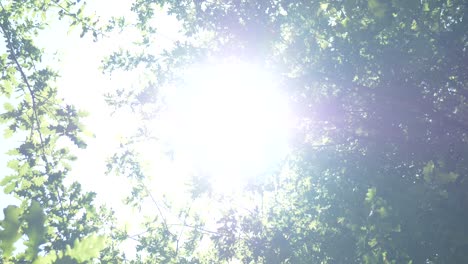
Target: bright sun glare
(229,121)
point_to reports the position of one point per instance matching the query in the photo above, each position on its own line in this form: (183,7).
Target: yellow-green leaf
(47,259)
(371,192)
(426,7)
(372,243)
(414,25)
(382,212)
(86,249)
(8,133)
(428,171)
(7,179)
(9,107)
(9,188)
(324,6)
(13,164)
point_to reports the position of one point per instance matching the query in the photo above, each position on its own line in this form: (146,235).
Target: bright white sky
(82,84)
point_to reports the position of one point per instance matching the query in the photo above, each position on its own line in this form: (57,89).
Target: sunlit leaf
(372,243)
(86,248)
(50,258)
(9,188)
(382,212)
(428,171)
(9,107)
(371,192)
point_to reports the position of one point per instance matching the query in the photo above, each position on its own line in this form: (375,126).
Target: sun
(228,120)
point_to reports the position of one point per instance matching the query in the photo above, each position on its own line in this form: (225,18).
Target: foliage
(382,83)
(56,222)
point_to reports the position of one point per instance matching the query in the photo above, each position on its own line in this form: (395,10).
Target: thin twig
(31,92)
(157,207)
(80,20)
(7,34)
(182,229)
(197,228)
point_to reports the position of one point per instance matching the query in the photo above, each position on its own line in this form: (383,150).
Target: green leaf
(38,181)
(8,133)
(12,152)
(324,6)
(35,230)
(370,195)
(24,169)
(86,249)
(13,164)
(428,171)
(47,259)
(382,212)
(9,188)
(10,229)
(7,88)
(426,7)
(9,107)
(414,25)
(7,180)
(372,243)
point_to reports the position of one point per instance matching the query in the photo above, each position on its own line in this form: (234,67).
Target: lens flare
(228,120)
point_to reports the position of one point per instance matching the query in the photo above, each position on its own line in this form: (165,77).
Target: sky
(82,84)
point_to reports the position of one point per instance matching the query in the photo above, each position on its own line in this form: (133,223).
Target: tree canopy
(377,170)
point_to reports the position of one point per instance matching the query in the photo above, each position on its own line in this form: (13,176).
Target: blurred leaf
(370,195)
(372,243)
(35,230)
(428,171)
(9,107)
(10,231)
(445,178)
(377,7)
(86,249)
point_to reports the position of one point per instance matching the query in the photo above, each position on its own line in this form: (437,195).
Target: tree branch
(157,207)
(7,33)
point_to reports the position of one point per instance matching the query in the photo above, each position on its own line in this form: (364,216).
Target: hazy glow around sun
(228,120)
